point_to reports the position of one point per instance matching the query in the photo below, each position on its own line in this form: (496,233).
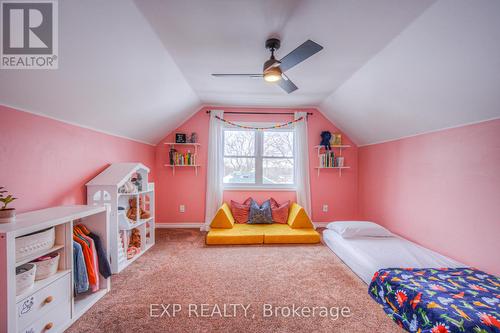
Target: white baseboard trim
(320,224)
(167,225)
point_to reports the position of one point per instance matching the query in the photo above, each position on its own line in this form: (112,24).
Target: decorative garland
(260,128)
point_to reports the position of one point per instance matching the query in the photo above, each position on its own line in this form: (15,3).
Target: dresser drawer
(54,320)
(54,296)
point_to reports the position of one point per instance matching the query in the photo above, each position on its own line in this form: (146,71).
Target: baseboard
(320,224)
(167,225)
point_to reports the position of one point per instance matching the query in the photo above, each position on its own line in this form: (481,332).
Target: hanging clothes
(80,277)
(87,255)
(93,286)
(90,259)
(104,267)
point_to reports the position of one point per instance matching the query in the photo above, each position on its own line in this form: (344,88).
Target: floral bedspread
(439,300)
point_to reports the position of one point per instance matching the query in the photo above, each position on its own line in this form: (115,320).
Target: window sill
(260,188)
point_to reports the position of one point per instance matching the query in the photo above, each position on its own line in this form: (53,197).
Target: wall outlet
(325,208)
(182,208)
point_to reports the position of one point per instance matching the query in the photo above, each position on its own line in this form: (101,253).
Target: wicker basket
(32,244)
(25,277)
(48,267)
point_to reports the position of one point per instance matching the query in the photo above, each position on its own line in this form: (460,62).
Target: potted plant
(6,214)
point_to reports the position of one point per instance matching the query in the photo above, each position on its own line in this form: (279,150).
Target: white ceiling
(390,68)
(226,36)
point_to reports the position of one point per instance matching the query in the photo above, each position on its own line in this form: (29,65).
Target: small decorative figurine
(193,138)
(325,139)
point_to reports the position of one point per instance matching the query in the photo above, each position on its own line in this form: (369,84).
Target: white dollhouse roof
(117,174)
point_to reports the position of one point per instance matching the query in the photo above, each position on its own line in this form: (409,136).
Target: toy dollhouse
(124,187)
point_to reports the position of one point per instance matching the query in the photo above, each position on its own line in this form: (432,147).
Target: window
(258,158)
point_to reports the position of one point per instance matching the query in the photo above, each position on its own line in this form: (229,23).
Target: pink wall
(441,190)
(45,162)
(185,188)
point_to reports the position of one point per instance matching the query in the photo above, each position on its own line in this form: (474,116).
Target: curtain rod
(282,113)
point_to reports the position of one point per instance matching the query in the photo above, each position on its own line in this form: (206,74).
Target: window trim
(259,158)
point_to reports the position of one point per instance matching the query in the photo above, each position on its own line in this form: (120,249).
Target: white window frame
(259,158)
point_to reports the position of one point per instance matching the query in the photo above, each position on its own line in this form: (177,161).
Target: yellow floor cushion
(262,233)
(298,219)
(283,234)
(223,218)
(238,234)
(299,229)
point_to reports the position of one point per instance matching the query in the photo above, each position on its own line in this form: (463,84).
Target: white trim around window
(259,157)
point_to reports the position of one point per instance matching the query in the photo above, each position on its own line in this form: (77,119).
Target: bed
(366,255)
(421,290)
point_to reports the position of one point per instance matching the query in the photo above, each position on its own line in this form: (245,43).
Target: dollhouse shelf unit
(50,303)
(340,148)
(104,189)
(195,154)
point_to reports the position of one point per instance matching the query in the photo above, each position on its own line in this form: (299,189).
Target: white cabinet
(50,305)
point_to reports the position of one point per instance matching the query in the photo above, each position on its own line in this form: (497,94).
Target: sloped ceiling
(114,75)
(227,36)
(390,68)
(442,71)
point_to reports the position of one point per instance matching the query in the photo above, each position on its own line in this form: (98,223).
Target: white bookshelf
(321,150)
(30,311)
(104,189)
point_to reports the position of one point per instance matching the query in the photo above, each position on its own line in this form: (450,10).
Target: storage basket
(32,244)
(48,267)
(25,277)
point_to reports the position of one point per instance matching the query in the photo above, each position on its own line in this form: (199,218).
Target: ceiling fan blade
(286,84)
(237,75)
(301,53)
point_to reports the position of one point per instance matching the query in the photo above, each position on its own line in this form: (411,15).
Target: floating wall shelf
(340,148)
(195,155)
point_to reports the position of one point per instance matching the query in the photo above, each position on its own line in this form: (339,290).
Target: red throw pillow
(240,211)
(280,212)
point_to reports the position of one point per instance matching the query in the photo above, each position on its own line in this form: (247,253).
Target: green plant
(5,199)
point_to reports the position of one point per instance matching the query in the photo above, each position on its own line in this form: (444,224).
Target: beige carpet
(181,269)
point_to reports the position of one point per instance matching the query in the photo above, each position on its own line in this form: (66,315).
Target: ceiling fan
(273,69)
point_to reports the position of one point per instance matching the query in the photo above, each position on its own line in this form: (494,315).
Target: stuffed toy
(133,210)
(128,187)
(132,251)
(135,239)
(325,139)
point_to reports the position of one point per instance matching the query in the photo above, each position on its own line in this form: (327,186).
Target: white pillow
(352,229)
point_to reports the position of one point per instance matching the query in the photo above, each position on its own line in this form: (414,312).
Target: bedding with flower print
(439,300)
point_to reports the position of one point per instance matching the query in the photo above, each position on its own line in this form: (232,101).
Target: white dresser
(50,305)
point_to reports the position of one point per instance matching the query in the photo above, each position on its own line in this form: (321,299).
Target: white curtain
(215,167)
(302,163)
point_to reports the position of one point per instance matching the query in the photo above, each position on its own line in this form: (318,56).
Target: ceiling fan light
(273,74)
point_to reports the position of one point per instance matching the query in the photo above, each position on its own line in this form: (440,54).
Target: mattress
(366,255)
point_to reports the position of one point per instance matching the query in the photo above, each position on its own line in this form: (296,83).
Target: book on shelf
(183,158)
(327,160)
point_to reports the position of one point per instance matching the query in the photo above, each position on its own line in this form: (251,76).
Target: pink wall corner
(441,190)
(185,188)
(45,162)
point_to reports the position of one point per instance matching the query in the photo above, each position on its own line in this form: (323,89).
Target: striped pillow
(240,211)
(280,212)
